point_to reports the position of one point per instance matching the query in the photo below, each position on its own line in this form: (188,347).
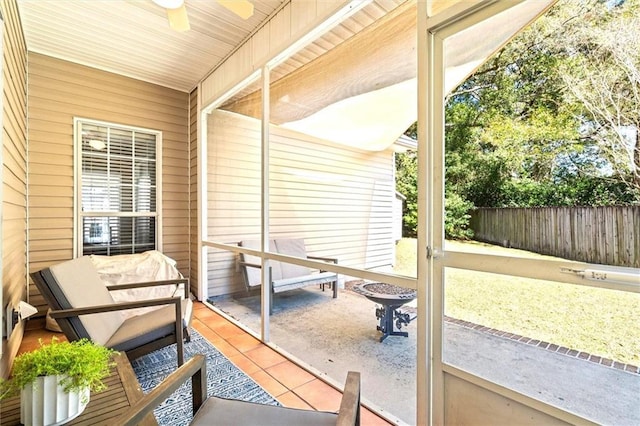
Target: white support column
(203,287)
(424,350)
(431,77)
(436,224)
(266,287)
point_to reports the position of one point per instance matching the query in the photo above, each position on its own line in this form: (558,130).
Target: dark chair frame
(73,330)
(195,368)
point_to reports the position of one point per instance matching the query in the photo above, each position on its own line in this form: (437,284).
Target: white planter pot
(45,403)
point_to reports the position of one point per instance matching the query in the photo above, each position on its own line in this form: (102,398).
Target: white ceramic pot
(45,403)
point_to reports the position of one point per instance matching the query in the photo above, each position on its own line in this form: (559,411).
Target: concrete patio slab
(337,335)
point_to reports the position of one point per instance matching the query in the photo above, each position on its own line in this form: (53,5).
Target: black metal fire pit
(391,298)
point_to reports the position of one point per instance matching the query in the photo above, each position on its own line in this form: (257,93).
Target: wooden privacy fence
(602,235)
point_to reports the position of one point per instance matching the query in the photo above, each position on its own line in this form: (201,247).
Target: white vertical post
(423,364)
(436,117)
(430,380)
(77,182)
(266,286)
(201,155)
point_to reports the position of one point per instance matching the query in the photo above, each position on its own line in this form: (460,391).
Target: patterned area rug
(224,379)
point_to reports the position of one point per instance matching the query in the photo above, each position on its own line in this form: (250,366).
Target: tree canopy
(552,119)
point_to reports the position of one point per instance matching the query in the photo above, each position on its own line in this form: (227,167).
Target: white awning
(374,120)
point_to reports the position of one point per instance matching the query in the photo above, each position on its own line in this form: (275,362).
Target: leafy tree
(457,217)
(407,185)
(602,74)
(456,223)
(552,111)
(551,119)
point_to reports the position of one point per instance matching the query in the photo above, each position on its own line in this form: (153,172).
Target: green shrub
(456,217)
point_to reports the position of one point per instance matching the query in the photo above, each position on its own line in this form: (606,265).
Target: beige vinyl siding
(58,92)
(14,174)
(339,199)
(193,190)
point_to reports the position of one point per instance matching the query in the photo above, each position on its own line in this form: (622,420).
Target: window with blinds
(118,184)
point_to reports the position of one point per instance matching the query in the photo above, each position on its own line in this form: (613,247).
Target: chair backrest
(76,284)
(217,410)
(288,246)
(292,247)
(253,276)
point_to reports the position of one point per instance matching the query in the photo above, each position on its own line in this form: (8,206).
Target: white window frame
(78,214)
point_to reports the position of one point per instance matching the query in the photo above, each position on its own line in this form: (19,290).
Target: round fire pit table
(391,297)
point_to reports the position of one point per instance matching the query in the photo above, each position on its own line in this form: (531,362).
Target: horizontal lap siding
(14,174)
(339,199)
(60,91)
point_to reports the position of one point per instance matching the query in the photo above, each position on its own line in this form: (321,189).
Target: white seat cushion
(81,287)
(142,329)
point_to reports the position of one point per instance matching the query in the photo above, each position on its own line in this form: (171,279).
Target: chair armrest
(326,259)
(195,369)
(251,265)
(349,413)
(177,281)
(64,313)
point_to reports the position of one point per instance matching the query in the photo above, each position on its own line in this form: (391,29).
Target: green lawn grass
(598,321)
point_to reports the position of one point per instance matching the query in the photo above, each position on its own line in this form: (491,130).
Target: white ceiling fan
(179,20)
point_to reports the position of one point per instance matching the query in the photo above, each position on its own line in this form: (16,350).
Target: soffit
(133,38)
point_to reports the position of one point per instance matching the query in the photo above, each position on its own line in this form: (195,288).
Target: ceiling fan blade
(242,8)
(178,19)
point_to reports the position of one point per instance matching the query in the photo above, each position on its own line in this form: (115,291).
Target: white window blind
(118,186)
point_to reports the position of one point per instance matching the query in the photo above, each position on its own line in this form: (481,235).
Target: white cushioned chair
(285,276)
(84,308)
(213,410)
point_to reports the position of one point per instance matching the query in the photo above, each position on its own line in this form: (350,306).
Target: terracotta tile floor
(290,384)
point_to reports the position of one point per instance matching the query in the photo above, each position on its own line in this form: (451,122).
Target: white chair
(84,308)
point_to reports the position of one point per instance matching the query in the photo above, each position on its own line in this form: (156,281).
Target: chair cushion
(142,329)
(292,247)
(286,284)
(230,412)
(81,286)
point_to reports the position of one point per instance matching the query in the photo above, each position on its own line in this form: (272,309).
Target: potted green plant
(66,372)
